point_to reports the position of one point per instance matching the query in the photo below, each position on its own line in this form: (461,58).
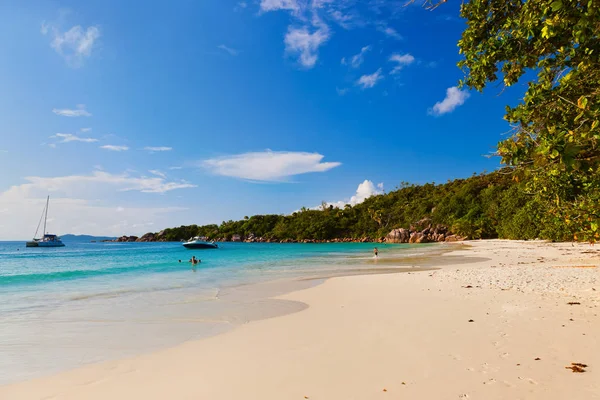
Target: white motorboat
(199,242)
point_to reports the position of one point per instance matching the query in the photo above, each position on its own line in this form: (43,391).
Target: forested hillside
(483,206)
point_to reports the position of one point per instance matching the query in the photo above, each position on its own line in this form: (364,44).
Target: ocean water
(87,302)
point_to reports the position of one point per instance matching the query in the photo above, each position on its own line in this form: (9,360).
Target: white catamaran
(47,240)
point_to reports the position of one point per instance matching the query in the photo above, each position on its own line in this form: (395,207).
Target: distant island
(484,206)
(86,238)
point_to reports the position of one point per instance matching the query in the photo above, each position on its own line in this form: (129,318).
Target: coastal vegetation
(482,206)
(553,47)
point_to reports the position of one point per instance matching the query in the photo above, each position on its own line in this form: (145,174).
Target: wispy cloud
(68,137)
(268,166)
(305,44)
(79,111)
(83,130)
(76,208)
(158,173)
(343,20)
(342,91)
(274,5)
(401,60)
(241,5)
(229,50)
(157,149)
(357,60)
(389,31)
(309,32)
(122,182)
(368,81)
(454,98)
(112,147)
(75,44)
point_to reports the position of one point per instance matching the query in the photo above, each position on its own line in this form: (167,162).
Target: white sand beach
(503,328)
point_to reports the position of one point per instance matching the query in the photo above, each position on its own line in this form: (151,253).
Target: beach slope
(503,328)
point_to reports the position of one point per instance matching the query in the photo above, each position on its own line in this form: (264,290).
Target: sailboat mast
(46,217)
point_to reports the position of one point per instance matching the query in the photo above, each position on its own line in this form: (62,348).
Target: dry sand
(495,329)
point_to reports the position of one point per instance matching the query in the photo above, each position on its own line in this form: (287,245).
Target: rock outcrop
(422,231)
(127,239)
(148,237)
(400,235)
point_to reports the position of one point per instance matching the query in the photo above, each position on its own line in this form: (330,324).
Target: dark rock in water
(127,239)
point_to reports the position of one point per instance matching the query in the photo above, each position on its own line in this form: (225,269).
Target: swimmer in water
(194,260)
(376,252)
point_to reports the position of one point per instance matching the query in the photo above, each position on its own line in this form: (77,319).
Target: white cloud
(274,5)
(83,130)
(368,81)
(268,166)
(357,60)
(175,168)
(389,31)
(82,216)
(158,173)
(344,20)
(74,208)
(342,91)
(157,148)
(112,147)
(79,111)
(67,137)
(240,6)
(229,50)
(365,190)
(454,98)
(401,60)
(78,185)
(305,44)
(75,45)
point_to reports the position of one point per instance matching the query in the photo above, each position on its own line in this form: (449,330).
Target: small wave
(68,275)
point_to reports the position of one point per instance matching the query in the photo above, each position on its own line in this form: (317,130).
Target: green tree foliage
(555,47)
(483,206)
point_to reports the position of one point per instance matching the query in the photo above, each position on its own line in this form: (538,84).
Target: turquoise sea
(87,302)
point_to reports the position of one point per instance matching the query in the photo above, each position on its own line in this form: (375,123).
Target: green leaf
(556,5)
(582,102)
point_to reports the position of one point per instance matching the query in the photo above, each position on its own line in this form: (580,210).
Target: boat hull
(49,244)
(44,244)
(200,246)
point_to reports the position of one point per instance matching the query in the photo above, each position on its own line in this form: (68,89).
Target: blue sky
(138,116)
